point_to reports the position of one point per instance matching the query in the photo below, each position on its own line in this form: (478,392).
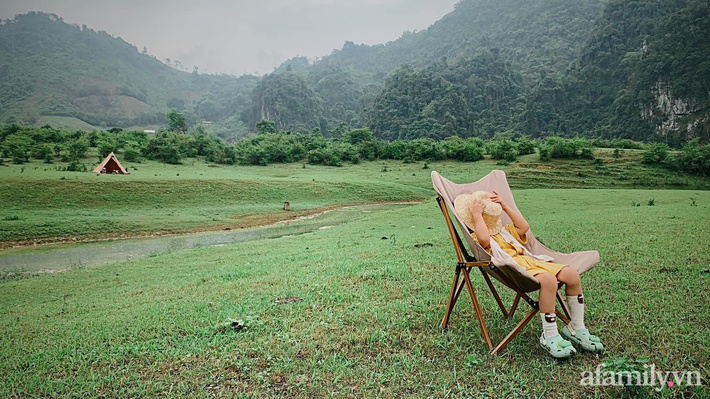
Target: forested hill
(49,67)
(539,37)
(617,68)
(467,74)
(602,68)
(645,68)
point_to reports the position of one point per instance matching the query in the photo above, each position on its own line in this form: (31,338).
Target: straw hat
(491,211)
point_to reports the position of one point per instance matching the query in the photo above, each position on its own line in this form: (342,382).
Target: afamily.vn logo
(647,377)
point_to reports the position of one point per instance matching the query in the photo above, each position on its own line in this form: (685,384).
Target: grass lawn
(40,204)
(350,311)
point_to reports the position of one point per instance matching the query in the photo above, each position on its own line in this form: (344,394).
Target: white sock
(576,312)
(549,325)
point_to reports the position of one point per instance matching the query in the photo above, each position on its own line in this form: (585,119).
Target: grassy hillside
(343,313)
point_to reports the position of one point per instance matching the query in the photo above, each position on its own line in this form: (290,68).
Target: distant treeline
(19,144)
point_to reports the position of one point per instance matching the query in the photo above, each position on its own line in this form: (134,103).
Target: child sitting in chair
(481,211)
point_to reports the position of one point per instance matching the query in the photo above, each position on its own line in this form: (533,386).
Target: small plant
(652,202)
(235,325)
(426,165)
(472,360)
(626,370)
(692,202)
(75,166)
(634,203)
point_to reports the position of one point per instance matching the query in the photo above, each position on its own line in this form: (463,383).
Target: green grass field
(41,204)
(342,312)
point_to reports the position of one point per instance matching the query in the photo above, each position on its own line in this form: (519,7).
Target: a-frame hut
(110,165)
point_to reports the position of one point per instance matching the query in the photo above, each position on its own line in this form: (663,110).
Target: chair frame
(465,264)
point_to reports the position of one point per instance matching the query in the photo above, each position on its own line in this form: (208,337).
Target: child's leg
(572,282)
(575,299)
(576,330)
(551,340)
(548,291)
(546,300)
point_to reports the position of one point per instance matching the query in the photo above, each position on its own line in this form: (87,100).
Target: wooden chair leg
(515,331)
(515,305)
(453,297)
(564,315)
(563,305)
(495,293)
(477,308)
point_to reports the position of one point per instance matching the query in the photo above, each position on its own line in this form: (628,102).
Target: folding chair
(513,277)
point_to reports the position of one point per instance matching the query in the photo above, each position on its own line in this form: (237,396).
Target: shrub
(165,147)
(77,149)
(559,148)
(525,146)
(369,149)
(106,146)
(471,152)
(587,153)
(394,149)
(132,152)
(323,156)
(694,158)
(655,154)
(503,150)
(41,151)
(75,166)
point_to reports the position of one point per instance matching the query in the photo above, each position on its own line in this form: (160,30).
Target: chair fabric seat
(496,180)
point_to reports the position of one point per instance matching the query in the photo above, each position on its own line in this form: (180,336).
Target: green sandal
(583,338)
(558,347)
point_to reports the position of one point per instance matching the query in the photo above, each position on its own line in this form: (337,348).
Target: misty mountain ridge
(583,67)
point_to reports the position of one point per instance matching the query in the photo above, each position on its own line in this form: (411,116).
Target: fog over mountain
(242,36)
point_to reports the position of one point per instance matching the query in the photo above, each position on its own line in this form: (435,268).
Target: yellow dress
(531,265)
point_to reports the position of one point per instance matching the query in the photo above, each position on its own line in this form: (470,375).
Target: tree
(176,122)
(265,126)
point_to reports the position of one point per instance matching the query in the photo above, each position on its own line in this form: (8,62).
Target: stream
(60,257)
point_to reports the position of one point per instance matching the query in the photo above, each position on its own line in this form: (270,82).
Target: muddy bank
(95,251)
(242,222)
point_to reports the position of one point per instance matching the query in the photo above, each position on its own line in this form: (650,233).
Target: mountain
(613,69)
(49,67)
(536,36)
(643,74)
(597,68)
(530,42)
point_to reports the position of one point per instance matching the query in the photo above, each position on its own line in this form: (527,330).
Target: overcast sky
(242,36)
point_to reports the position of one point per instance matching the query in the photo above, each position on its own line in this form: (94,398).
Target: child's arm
(521,225)
(482,234)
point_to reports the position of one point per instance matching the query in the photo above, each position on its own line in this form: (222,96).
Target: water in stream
(49,258)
